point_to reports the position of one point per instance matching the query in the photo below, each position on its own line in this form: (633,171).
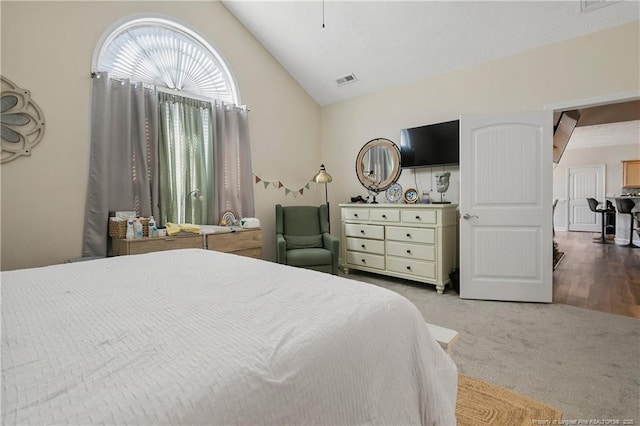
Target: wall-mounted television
(430,145)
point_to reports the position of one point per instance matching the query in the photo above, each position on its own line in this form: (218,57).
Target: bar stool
(593,205)
(625,205)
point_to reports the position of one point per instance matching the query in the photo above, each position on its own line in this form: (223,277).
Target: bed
(201,337)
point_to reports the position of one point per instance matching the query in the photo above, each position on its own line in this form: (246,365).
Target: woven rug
(482,403)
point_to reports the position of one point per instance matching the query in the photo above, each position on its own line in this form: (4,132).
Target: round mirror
(378,164)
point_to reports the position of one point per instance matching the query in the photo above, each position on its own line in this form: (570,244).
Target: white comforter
(201,337)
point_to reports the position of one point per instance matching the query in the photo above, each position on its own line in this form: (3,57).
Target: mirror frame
(395,154)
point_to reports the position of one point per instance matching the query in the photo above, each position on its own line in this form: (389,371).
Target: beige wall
(47,48)
(611,157)
(588,67)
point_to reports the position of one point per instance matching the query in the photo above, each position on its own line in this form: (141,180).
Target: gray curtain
(123,156)
(234,186)
(124,162)
(186,165)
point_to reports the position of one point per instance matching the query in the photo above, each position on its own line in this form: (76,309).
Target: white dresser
(413,241)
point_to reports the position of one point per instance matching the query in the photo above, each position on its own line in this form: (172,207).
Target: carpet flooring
(585,363)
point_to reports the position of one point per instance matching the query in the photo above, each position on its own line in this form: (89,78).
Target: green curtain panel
(186,160)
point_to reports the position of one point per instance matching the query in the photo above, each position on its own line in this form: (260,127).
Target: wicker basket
(118,228)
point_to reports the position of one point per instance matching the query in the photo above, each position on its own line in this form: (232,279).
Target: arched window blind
(164,53)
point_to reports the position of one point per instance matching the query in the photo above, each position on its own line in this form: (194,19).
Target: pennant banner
(278,184)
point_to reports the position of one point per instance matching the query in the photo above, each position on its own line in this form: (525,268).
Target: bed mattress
(202,337)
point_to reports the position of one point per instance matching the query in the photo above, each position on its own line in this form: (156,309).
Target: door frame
(603,182)
(612,98)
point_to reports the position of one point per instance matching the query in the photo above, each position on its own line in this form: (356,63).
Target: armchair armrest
(281,249)
(332,243)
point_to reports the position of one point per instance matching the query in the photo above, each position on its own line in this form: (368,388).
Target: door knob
(468,216)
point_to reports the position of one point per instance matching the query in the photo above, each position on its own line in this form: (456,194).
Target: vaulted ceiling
(391,43)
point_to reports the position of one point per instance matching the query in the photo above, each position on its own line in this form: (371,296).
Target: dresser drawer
(149,244)
(364,245)
(412,267)
(364,231)
(365,259)
(411,235)
(235,241)
(412,251)
(380,215)
(420,216)
(355,214)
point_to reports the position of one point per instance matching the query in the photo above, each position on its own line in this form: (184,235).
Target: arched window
(159,51)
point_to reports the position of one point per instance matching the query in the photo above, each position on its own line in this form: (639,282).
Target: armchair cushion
(303,241)
(309,257)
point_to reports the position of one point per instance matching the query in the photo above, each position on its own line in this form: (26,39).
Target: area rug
(482,403)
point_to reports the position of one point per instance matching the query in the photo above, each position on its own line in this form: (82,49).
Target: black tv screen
(431,145)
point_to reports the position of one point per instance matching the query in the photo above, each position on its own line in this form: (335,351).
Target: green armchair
(303,238)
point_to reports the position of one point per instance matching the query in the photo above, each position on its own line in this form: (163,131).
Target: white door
(584,182)
(506,245)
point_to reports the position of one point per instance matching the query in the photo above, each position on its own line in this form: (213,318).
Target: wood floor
(602,277)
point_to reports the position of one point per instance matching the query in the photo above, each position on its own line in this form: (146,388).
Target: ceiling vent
(589,5)
(346,79)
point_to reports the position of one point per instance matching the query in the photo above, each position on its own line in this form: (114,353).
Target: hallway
(601,277)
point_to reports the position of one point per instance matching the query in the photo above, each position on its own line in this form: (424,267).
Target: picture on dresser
(394,193)
(411,196)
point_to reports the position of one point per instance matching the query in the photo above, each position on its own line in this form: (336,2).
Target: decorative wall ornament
(22,122)
(278,184)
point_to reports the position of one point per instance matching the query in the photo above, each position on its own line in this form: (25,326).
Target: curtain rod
(175,92)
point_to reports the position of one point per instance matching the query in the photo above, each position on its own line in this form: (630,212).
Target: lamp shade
(322,176)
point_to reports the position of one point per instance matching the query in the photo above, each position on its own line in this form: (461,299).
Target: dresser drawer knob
(408,235)
(418,217)
(362,231)
(384,216)
(364,261)
(408,251)
(409,268)
(355,215)
(363,246)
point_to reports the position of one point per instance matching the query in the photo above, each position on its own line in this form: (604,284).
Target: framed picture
(228,218)
(394,193)
(411,196)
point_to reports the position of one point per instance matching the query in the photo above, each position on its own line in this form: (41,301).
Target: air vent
(589,5)
(346,79)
